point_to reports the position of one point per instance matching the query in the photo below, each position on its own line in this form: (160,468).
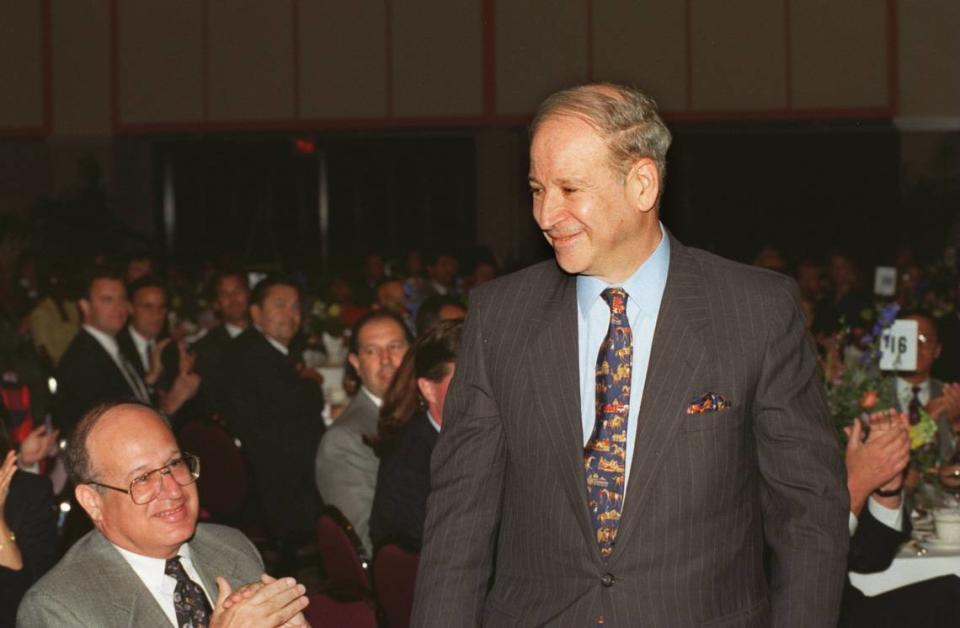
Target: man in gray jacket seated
(148,563)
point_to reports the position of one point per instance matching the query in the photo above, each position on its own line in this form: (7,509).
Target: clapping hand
(186,384)
(947,405)
(878,462)
(270,603)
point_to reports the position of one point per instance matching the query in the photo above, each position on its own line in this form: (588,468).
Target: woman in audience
(28,530)
(410,421)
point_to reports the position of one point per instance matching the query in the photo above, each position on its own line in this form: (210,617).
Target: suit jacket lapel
(676,358)
(134,604)
(553,362)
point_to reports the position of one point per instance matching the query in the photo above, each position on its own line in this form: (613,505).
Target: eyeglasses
(147,486)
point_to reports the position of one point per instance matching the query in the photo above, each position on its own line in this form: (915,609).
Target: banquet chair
(223,475)
(341,550)
(325,611)
(394,578)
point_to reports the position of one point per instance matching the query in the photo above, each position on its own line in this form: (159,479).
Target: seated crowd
(128,369)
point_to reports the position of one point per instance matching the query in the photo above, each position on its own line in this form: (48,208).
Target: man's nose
(169,487)
(547,210)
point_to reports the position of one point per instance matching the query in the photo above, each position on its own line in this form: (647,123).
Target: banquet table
(908,568)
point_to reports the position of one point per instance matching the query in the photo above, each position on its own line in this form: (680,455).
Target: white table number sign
(885,281)
(898,346)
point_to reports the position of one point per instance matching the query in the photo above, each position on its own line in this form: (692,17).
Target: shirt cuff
(890,517)
(853,523)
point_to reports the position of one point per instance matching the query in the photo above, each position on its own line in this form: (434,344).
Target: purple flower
(888,314)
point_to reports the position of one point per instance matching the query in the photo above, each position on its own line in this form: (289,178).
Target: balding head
(116,445)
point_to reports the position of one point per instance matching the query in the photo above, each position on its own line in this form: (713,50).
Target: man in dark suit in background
(625,433)
(276,412)
(230,300)
(92,369)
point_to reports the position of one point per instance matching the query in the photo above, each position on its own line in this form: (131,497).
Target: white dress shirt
(377,401)
(233,330)
(109,344)
(151,572)
(890,517)
(905,392)
(275,344)
(644,290)
(143,346)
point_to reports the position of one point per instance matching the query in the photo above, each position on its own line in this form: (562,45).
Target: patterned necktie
(913,410)
(137,387)
(605,455)
(189,602)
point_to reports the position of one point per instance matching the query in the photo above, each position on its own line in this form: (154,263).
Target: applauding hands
(269,603)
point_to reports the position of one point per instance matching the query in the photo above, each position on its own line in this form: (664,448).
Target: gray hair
(625,117)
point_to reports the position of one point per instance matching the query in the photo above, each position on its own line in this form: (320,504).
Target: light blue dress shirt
(644,290)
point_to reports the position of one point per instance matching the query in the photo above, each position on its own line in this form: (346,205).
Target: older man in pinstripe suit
(636,429)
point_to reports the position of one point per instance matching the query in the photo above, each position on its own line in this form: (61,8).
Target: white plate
(935,543)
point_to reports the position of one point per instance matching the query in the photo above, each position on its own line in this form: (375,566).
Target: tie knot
(174,568)
(916,390)
(616,298)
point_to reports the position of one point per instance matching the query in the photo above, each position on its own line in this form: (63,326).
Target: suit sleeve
(463,510)
(873,546)
(39,610)
(803,481)
(343,480)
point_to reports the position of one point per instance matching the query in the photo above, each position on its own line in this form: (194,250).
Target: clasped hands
(270,603)
(877,463)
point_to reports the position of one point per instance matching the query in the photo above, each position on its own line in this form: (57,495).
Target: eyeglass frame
(164,470)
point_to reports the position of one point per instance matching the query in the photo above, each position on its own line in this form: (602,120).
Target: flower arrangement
(859,387)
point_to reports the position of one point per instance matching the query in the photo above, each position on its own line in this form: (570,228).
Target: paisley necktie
(191,605)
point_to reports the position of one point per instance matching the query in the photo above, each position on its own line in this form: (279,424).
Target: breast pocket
(728,419)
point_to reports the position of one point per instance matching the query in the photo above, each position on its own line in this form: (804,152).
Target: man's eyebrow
(175,453)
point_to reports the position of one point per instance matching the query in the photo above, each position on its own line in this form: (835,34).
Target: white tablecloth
(908,568)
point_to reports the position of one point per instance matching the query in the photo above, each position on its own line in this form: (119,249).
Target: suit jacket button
(607,580)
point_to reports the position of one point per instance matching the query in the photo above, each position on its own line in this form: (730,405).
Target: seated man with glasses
(148,562)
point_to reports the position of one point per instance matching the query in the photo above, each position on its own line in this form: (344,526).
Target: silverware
(917,548)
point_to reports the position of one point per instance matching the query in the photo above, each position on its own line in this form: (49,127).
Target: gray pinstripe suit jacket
(508,539)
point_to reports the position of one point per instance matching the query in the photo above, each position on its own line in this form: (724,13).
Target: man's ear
(427,389)
(84,308)
(91,501)
(256,314)
(354,361)
(643,184)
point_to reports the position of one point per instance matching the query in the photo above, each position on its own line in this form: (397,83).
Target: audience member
(438,308)
(410,422)
(879,524)
(92,369)
(140,341)
(55,319)
(847,298)
(442,272)
(148,562)
(28,529)
(346,466)
(276,413)
(919,390)
(139,264)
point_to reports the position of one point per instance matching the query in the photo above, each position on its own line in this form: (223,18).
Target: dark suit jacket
(170,359)
(208,352)
(31,514)
(93,585)
(86,376)
(278,418)
(403,483)
(705,492)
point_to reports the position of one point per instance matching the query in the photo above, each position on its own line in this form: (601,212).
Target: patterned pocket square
(710,402)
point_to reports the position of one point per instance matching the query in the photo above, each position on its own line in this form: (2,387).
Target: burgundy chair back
(394,580)
(223,476)
(326,612)
(341,550)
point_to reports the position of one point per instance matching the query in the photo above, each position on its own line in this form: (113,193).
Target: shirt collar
(433,422)
(139,341)
(152,571)
(377,401)
(108,342)
(276,345)
(232,330)
(644,287)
